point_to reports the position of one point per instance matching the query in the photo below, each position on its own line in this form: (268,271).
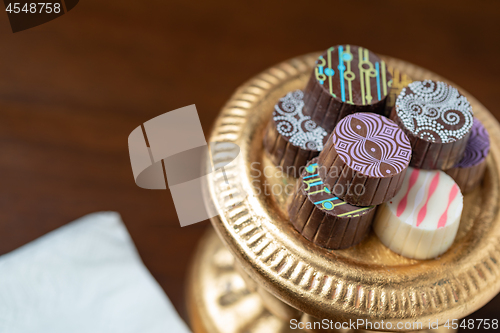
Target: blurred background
(73,89)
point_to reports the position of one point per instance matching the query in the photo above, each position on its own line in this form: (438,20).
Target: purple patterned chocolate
(469,171)
(477,147)
(372,145)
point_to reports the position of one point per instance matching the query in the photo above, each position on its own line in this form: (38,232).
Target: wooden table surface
(73,89)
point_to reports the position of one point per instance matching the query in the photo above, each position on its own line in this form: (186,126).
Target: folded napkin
(83,277)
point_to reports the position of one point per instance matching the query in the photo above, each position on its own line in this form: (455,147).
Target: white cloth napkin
(85,277)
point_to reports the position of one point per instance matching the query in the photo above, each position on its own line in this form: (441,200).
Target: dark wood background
(73,89)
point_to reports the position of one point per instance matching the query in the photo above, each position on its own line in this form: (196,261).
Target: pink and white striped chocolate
(422,220)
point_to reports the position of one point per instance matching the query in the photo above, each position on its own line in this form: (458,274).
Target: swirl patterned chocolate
(437,119)
(365,159)
(322,217)
(434,111)
(345,80)
(300,130)
(292,139)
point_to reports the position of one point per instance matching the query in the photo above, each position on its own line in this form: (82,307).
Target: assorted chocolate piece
(292,139)
(437,119)
(365,159)
(346,79)
(469,172)
(323,218)
(422,220)
(371,160)
(398,82)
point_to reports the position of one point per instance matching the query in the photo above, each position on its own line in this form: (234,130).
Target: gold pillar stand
(222,299)
(368,281)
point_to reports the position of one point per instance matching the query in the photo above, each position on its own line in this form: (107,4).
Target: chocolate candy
(323,218)
(437,119)
(345,80)
(469,172)
(422,220)
(365,159)
(292,139)
(398,82)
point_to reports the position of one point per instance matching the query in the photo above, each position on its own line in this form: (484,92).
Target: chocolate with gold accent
(323,218)
(345,80)
(365,159)
(398,82)
(469,172)
(437,119)
(292,139)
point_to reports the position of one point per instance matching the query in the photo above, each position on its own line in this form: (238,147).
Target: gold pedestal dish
(368,281)
(219,300)
(222,299)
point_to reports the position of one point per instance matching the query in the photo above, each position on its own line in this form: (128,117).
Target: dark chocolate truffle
(469,172)
(365,159)
(398,82)
(345,80)
(323,218)
(292,139)
(437,119)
